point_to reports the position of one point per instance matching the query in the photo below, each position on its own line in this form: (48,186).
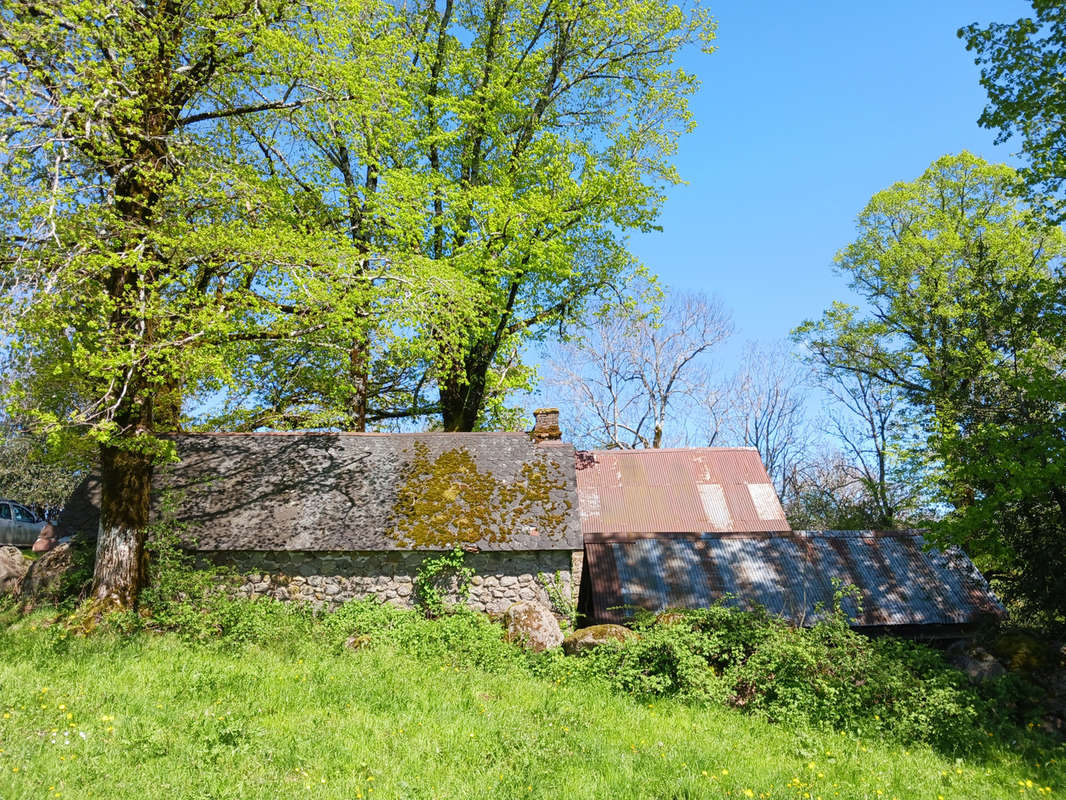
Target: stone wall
(329,579)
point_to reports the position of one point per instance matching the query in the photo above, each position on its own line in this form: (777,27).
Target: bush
(827,676)
(193,602)
(441,577)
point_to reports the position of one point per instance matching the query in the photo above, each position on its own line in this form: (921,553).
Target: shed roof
(690,490)
(341,491)
(901,582)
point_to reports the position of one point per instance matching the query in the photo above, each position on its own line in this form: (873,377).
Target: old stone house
(326,517)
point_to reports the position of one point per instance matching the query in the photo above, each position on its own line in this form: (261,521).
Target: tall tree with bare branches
(765,408)
(633,377)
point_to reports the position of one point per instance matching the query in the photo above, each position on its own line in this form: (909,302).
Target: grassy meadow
(156,716)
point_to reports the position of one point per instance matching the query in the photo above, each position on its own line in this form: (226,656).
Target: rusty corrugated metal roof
(791,574)
(689,490)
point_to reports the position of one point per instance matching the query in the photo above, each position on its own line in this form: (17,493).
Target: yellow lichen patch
(446,500)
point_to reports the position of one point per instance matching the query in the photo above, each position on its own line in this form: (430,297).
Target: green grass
(155,717)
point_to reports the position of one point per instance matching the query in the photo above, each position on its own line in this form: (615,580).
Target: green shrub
(826,676)
(440,576)
(195,601)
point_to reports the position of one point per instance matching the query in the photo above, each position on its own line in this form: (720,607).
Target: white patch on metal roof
(588,502)
(715,507)
(705,472)
(764,498)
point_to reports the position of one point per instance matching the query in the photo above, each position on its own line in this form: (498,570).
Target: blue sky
(807,110)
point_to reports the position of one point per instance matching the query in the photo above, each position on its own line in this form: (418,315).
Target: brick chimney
(546,425)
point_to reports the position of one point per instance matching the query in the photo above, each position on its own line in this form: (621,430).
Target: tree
(514,148)
(963,294)
(869,423)
(39,473)
(764,408)
(1021,69)
(138,243)
(633,377)
(828,493)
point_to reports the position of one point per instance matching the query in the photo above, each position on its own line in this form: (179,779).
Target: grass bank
(143,715)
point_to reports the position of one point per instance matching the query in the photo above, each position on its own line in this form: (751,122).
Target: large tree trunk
(126,480)
(359,378)
(461,402)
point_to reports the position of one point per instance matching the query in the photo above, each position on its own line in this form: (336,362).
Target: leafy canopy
(1022,67)
(507,152)
(962,291)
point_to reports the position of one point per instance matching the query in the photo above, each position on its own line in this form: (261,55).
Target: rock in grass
(45,578)
(532,625)
(669,617)
(13,566)
(595,635)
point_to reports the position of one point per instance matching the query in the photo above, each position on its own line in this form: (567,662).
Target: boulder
(978,664)
(13,566)
(532,625)
(669,617)
(1024,652)
(357,641)
(44,578)
(584,639)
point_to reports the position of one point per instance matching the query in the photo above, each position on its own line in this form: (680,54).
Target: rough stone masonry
(326,580)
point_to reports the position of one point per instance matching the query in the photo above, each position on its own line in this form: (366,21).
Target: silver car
(18,525)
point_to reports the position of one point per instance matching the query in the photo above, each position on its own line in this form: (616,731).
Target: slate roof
(901,582)
(344,491)
(692,490)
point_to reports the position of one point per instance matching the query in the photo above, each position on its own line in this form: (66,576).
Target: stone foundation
(329,579)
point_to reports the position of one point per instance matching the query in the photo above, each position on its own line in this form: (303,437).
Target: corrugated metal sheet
(690,490)
(791,574)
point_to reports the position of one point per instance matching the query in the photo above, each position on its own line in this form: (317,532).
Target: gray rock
(44,578)
(978,664)
(532,625)
(584,639)
(13,565)
(508,580)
